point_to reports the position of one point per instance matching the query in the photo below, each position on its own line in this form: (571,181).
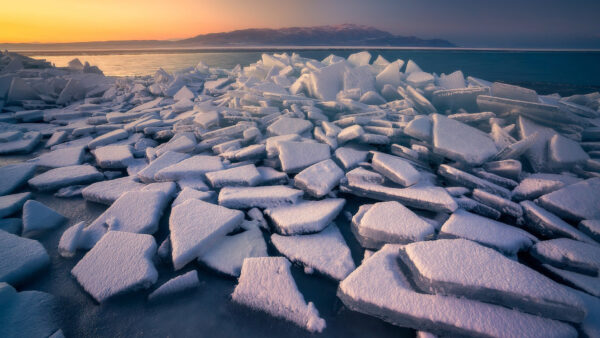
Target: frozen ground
(476,202)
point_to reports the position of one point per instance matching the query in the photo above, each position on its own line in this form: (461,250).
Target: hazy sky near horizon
(469,23)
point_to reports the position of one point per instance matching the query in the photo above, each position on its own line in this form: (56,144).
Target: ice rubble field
(479,215)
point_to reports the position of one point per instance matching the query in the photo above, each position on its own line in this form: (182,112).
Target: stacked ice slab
(478,205)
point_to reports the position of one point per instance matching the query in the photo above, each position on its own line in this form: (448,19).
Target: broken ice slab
(420,197)
(502,237)
(176,285)
(27,313)
(421,103)
(189,193)
(305,217)
(61,157)
(591,227)
(546,224)
(349,157)
(108,138)
(10,204)
(287,125)
(14,176)
(395,169)
(391,222)
(11,225)
(569,254)
(243,176)
(320,178)
(540,184)
(575,202)
(453,99)
(113,157)
(62,177)
(466,269)
(266,284)
(193,233)
(37,216)
(506,168)
(563,153)
(260,197)
(496,179)
(363,175)
(503,205)
(536,111)
(325,251)
(589,284)
(120,262)
(347,134)
(379,288)
(169,158)
(513,92)
(106,192)
(21,258)
(296,156)
(461,178)
(70,240)
(420,128)
(23,145)
(460,142)
(478,208)
(227,255)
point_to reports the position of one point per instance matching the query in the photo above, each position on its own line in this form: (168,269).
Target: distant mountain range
(338,35)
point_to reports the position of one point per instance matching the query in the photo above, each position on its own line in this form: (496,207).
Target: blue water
(565,72)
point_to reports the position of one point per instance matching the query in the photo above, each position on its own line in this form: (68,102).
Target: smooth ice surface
(325,251)
(14,176)
(244,176)
(542,222)
(568,254)
(62,177)
(195,166)
(420,128)
(37,216)
(227,256)
(466,269)
(396,169)
(296,156)
(575,202)
(266,284)
(175,285)
(460,142)
(287,125)
(391,222)
(564,152)
(27,313)
(260,197)
(195,227)
(11,225)
(320,178)
(10,204)
(379,288)
(120,262)
(21,258)
(305,217)
(502,237)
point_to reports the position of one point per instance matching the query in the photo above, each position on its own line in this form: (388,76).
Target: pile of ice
(480,199)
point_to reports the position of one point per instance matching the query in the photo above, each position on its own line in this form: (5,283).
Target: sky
(467,23)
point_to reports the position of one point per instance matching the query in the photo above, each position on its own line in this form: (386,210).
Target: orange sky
(99,20)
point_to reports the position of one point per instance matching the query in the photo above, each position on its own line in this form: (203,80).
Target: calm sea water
(546,71)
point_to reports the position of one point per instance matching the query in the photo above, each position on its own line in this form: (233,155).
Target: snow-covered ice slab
(62,177)
(195,166)
(176,285)
(379,288)
(108,138)
(70,240)
(325,251)
(503,205)
(564,153)
(460,142)
(266,284)
(120,262)
(349,158)
(296,156)
(23,145)
(537,153)
(61,157)
(396,169)
(575,202)
(196,226)
(320,178)
(568,254)
(591,227)
(14,176)
(540,184)
(11,225)
(189,193)
(10,204)
(259,197)
(589,284)
(305,217)
(106,192)
(244,176)
(462,178)
(391,222)
(169,158)
(227,256)
(502,237)
(37,216)
(287,125)
(421,197)
(113,157)
(21,258)
(546,224)
(466,269)
(27,313)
